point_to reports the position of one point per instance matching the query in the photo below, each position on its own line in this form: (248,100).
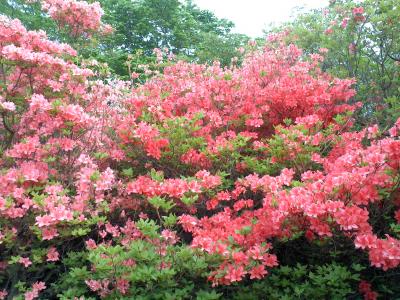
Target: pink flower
(234,273)
(100,286)
(38,102)
(395,130)
(254,122)
(344,23)
(49,233)
(352,48)
(91,244)
(328,31)
(31,295)
(241,50)
(143,215)
(169,236)
(81,17)
(94,285)
(39,286)
(122,286)
(43,221)
(2,203)
(129,262)
(373,131)
(365,241)
(258,272)
(25,261)
(10,106)
(52,254)
(366,289)
(358,10)
(323,50)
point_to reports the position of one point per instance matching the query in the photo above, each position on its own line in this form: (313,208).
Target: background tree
(140,26)
(363,43)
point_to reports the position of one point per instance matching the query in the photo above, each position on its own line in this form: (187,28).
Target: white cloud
(252,16)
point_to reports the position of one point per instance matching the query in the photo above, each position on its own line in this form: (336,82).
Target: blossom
(358,14)
(365,241)
(25,261)
(258,272)
(358,10)
(52,254)
(328,31)
(100,286)
(39,102)
(344,22)
(122,286)
(366,289)
(254,122)
(91,244)
(323,50)
(43,221)
(49,233)
(39,286)
(234,273)
(9,106)
(169,236)
(143,215)
(241,50)
(82,17)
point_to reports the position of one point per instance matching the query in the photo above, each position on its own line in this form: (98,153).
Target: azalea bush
(202,182)
(361,41)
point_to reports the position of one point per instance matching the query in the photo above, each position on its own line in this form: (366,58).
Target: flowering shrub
(79,17)
(201,174)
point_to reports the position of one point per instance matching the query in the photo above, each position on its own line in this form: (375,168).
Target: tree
(363,43)
(140,26)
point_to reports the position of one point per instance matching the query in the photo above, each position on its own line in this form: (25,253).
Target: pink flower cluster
(174,188)
(355,16)
(366,290)
(81,17)
(36,288)
(250,92)
(335,199)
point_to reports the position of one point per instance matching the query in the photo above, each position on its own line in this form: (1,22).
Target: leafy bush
(300,282)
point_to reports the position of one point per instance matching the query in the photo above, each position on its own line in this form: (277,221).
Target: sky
(252,16)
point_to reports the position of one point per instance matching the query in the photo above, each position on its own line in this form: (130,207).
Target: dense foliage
(363,43)
(201,182)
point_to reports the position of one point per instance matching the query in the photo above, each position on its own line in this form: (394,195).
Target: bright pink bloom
(52,254)
(122,286)
(258,272)
(25,261)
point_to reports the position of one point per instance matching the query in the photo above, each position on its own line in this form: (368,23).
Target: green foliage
(72,283)
(181,135)
(159,202)
(213,47)
(170,276)
(330,281)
